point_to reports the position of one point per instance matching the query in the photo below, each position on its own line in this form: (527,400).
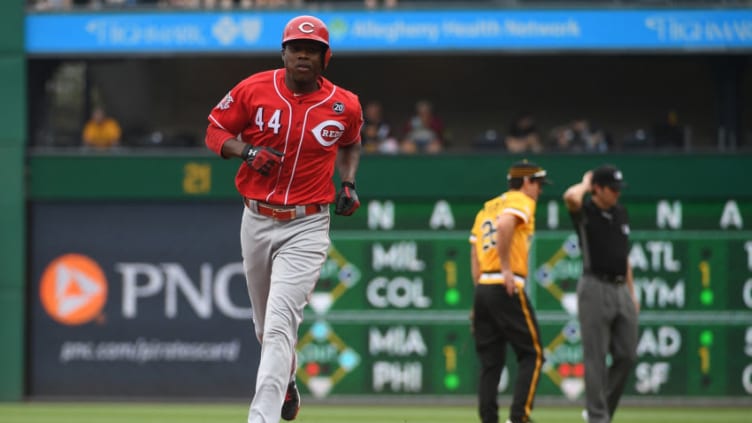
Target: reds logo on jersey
(328,132)
(225,103)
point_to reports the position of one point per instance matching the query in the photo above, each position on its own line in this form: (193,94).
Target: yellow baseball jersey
(483,235)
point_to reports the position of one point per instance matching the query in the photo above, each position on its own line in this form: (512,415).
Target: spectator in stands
(560,139)
(668,133)
(43,5)
(186,4)
(376,133)
(114,4)
(523,136)
(222,4)
(488,140)
(272,4)
(373,4)
(424,132)
(46,5)
(579,137)
(101,132)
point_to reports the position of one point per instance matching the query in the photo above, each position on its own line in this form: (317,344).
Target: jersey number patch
(488,235)
(272,123)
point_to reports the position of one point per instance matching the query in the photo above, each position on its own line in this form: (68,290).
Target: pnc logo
(73,289)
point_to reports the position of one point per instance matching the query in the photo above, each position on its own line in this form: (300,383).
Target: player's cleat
(291,406)
(585,416)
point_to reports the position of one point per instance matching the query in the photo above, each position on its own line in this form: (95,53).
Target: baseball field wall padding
(154,301)
(12,186)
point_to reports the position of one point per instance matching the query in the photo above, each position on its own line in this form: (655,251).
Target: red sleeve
(227,119)
(356,124)
(215,138)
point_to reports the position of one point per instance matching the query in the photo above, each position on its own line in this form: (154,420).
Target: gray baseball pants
(282,262)
(608,324)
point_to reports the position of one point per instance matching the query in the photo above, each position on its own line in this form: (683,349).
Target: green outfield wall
(469,176)
(12,226)
(389,314)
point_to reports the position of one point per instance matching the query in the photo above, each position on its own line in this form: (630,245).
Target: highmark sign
(396,31)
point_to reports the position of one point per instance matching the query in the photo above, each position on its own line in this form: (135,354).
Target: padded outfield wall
(12,240)
(149,247)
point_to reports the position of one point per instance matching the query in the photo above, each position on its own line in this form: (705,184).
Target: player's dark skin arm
(232,148)
(348,158)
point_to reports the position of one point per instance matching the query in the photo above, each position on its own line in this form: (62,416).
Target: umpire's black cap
(527,168)
(608,176)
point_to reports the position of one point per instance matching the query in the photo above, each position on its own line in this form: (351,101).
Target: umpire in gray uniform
(606,302)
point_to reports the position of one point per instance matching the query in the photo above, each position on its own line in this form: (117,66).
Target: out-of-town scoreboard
(390,314)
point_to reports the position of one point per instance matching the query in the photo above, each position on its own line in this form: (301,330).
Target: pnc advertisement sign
(73,289)
(140,308)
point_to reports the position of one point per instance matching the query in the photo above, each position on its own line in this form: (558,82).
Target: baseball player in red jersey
(291,127)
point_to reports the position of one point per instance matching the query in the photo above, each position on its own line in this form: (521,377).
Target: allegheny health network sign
(394,31)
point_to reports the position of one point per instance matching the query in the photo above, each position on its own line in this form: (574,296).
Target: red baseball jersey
(308,129)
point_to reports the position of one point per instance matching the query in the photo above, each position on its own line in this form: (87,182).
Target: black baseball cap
(608,176)
(525,168)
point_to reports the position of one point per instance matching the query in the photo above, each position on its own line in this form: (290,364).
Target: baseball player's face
(608,196)
(303,60)
(532,187)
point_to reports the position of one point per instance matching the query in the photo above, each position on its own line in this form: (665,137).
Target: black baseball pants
(500,319)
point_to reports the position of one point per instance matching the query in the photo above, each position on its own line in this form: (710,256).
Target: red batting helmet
(308,28)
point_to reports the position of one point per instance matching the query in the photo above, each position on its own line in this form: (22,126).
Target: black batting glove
(347,200)
(261,159)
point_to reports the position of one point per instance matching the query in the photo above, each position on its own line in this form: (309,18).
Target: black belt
(608,278)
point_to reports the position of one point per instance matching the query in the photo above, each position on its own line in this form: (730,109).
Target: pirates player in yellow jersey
(502,312)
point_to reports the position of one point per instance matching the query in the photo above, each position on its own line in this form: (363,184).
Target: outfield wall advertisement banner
(147,299)
(394,31)
(132,300)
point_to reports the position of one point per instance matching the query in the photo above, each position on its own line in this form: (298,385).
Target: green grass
(43,412)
